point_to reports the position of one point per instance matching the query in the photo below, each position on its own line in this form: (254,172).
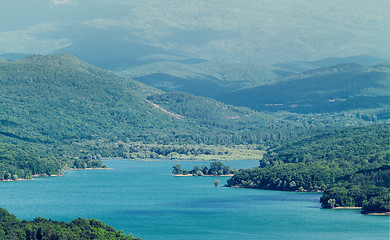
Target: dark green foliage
(349,164)
(41,228)
(23,162)
(177,169)
(377,204)
(366,188)
(353,147)
(287,177)
(216,168)
(17,162)
(244,126)
(372,198)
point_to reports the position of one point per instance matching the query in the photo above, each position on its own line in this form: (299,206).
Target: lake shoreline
(346,208)
(378,214)
(137,195)
(360,208)
(54,175)
(206,175)
(334,208)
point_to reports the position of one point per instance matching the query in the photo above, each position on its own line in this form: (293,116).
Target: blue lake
(143,198)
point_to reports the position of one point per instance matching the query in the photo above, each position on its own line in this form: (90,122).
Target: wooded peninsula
(351,167)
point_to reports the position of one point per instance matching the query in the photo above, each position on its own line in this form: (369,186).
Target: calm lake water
(143,198)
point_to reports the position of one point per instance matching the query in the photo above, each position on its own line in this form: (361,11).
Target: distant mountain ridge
(301,66)
(331,89)
(112,32)
(208,79)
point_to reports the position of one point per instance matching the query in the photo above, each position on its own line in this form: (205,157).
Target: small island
(216,168)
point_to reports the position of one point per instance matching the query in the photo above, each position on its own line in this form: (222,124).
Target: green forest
(351,166)
(216,168)
(368,189)
(25,162)
(194,119)
(41,228)
(60,113)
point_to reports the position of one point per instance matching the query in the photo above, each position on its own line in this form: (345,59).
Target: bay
(143,198)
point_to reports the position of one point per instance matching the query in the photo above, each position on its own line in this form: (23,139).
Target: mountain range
(116,34)
(62,98)
(208,79)
(67,113)
(330,89)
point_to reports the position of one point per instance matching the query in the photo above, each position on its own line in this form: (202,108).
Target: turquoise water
(144,199)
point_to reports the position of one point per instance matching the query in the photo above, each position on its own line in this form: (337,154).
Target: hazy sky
(261,31)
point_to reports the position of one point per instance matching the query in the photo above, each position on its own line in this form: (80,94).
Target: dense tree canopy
(350,165)
(63,113)
(216,168)
(41,228)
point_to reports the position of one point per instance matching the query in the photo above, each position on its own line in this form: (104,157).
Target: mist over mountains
(301,87)
(118,34)
(267,56)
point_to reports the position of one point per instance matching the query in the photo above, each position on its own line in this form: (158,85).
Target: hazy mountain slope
(250,126)
(212,112)
(331,89)
(259,31)
(209,79)
(301,66)
(3,60)
(60,98)
(116,52)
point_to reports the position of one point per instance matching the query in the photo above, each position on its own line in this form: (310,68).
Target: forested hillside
(60,99)
(19,160)
(78,113)
(51,105)
(208,79)
(254,127)
(331,89)
(368,189)
(325,162)
(41,228)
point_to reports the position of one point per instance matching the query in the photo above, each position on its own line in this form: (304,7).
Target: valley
(78,113)
(62,113)
(282,107)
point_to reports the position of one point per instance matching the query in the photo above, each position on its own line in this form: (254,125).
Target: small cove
(143,198)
